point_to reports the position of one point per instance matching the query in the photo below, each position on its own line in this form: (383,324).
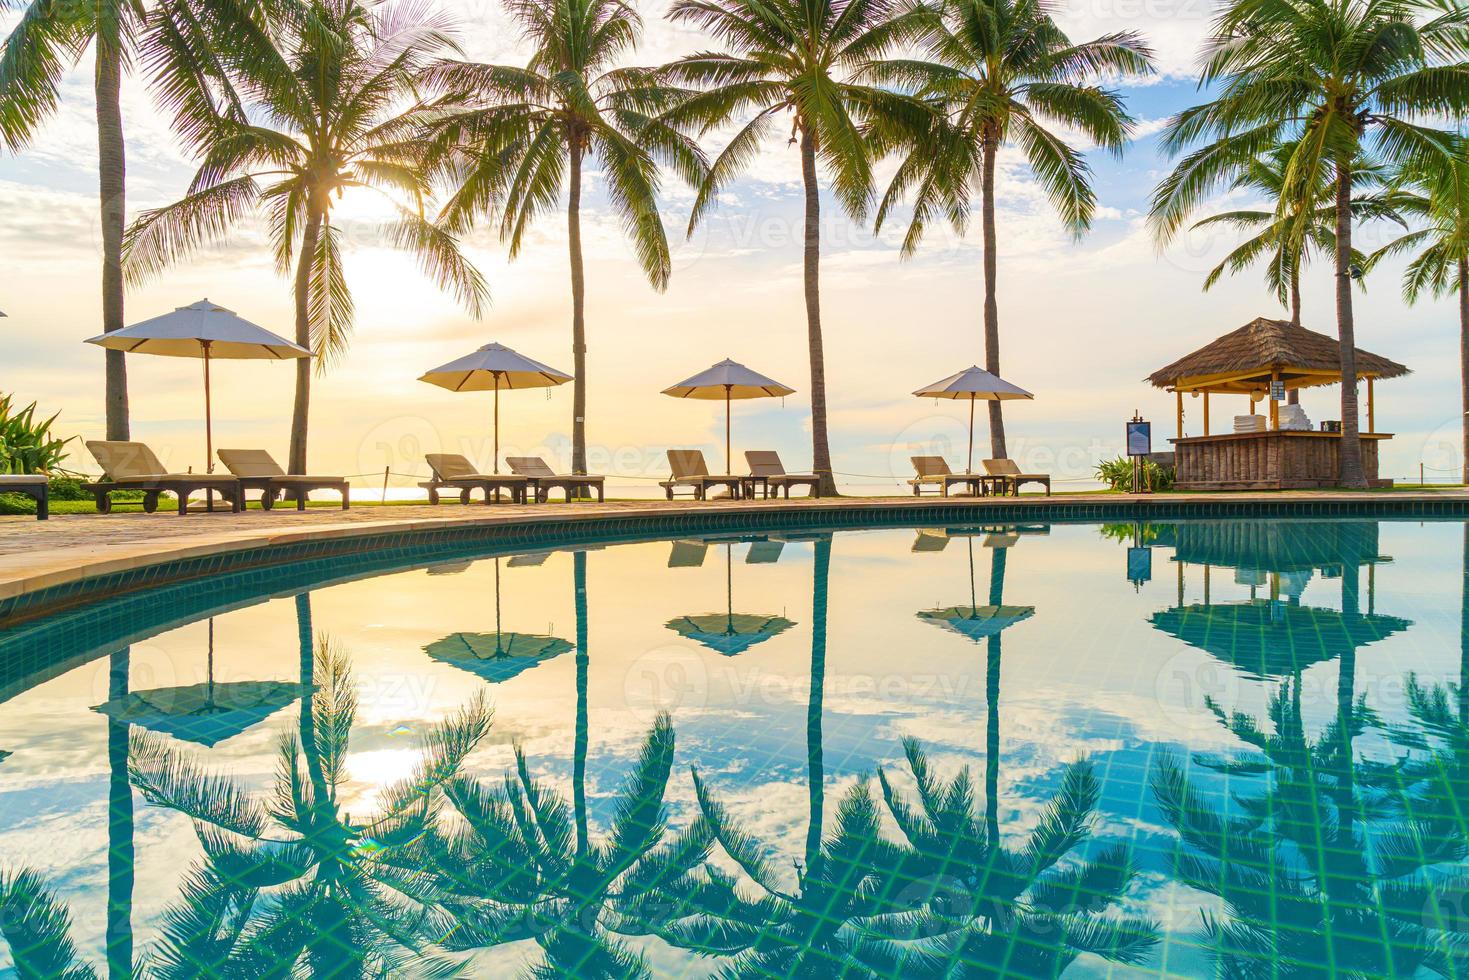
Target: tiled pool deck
(71,559)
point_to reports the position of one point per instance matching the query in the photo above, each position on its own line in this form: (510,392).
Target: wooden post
(1371,408)
(1180,584)
(1206,413)
(1274,405)
(1179,393)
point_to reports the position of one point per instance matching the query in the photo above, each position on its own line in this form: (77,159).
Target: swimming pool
(1167,748)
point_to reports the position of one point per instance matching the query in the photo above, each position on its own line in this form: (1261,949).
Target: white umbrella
(974,384)
(492,367)
(204,330)
(728,380)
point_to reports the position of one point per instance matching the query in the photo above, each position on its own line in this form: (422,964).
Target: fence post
(385,484)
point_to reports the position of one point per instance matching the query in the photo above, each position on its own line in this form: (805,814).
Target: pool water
(1208,748)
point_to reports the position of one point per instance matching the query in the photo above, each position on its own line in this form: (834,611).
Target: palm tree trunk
(1351,445)
(112,188)
(119,830)
(301,410)
(306,722)
(1293,397)
(992,660)
(815,702)
(820,447)
(578,314)
(990,150)
(583,664)
(1464,363)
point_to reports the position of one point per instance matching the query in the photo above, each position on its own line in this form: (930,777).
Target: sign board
(1277,391)
(1139,438)
(1139,565)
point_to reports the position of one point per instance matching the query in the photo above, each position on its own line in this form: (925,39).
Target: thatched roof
(1303,357)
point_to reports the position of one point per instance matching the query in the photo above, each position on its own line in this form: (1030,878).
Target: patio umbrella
(973,384)
(976,622)
(496,656)
(203,330)
(492,367)
(729,381)
(205,714)
(729,633)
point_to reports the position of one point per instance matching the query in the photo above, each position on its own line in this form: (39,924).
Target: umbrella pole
(497,594)
(209,699)
(497,436)
(728,454)
(208,419)
(729,585)
(969,466)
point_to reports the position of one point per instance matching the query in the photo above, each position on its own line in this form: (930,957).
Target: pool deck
(37,555)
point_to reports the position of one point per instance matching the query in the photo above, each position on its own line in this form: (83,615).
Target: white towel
(1249,423)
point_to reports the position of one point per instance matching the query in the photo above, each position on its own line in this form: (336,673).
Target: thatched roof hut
(1244,361)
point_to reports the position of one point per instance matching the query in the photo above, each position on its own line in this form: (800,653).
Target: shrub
(1117,474)
(26,445)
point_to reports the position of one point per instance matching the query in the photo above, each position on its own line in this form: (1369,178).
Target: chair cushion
(450,466)
(22,480)
(530,466)
(250,462)
(125,460)
(686,463)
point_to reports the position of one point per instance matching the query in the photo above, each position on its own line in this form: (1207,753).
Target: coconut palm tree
(38,929)
(295,883)
(1272,240)
(1002,71)
(532,133)
(808,59)
(1335,79)
(1436,193)
(340,99)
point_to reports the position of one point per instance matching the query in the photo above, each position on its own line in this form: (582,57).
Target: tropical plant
(518,859)
(809,59)
(999,71)
(1431,783)
(339,90)
(1335,79)
(26,443)
(295,883)
(1273,232)
(530,133)
(1117,474)
(38,929)
(1303,880)
(1436,193)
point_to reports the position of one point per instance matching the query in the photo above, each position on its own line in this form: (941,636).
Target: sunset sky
(1082,323)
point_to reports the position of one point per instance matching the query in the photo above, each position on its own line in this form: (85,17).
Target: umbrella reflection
(729,633)
(497,656)
(205,714)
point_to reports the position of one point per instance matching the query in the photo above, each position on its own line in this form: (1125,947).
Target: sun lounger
(933,471)
(132,466)
(767,471)
(1013,479)
(258,470)
(543,479)
(454,472)
(34,485)
(691,473)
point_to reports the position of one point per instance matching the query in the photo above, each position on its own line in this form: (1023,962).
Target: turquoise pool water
(1206,748)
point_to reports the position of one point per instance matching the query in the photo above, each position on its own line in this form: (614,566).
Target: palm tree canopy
(998,71)
(288,124)
(1331,78)
(1435,193)
(812,59)
(510,147)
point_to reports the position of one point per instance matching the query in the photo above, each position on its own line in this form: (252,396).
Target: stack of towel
(1293,417)
(1249,423)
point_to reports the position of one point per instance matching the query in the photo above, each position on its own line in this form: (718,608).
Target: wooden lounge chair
(691,473)
(132,466)
(543,479)
(1013,479)
(766,470)
(933,471)
(453,472)
(37,486)
(258,470)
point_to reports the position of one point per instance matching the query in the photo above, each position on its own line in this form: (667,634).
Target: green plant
(26,445)
(1117,474)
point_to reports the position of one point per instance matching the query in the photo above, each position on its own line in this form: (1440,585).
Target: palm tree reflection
(294,882)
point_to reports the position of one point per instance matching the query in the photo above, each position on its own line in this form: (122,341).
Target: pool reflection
(1255,765)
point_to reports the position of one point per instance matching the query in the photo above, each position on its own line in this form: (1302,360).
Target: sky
(1081,322)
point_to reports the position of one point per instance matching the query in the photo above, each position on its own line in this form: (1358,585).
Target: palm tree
(1002,70)
(38,929)
(808,59)
(1336,79)
(341,89)
(530,133)
(295,882)
(1436,192)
